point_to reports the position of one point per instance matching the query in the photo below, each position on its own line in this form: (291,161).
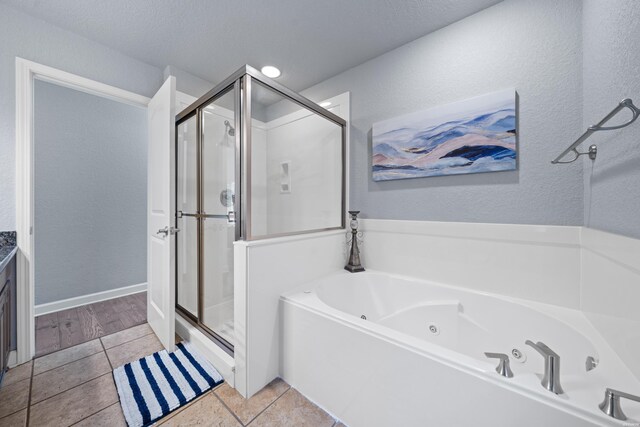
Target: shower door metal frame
(241,83)
(200,215)
(245,76)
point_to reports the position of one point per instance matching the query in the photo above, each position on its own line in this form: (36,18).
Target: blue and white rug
(152,387)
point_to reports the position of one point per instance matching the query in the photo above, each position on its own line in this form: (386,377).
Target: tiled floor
(56,331)
(74,386)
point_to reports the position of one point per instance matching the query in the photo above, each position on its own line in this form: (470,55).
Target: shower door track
(217,339)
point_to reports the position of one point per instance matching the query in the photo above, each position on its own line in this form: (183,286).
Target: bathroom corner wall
(610,267)
(534,47)
(36,40)
(537,263)
(610,291)
(611,73)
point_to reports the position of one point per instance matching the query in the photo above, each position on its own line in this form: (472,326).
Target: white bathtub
(382,350)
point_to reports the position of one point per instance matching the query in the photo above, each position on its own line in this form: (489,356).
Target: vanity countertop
(8,248)
(6,254)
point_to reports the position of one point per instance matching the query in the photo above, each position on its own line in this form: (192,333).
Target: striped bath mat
(152,387)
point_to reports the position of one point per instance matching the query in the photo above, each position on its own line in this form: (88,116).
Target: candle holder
(354,265)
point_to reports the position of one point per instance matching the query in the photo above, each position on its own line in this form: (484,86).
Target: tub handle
(611,403)
(503,367)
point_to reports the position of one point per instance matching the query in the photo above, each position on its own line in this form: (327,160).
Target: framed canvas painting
(471,136)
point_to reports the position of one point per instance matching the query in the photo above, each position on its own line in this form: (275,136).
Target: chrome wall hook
(593,150)
(592,153)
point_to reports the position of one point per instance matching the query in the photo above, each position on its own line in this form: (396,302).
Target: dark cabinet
(5,326)
(7,286)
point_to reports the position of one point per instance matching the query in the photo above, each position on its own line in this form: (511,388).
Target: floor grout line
(97,412)
(269,405)
(92,354)
(180,409)
(91,339)
(67,363)
(110,366)
(69,389)
(233,414)
(13,413)
(106,355)
(124,342)
(30,390)
(21,409)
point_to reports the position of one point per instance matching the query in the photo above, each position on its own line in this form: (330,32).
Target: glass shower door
(289,157)
(206,208)
(187,221)
(218,215)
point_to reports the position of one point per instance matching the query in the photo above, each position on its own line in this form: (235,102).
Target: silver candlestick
(354,264)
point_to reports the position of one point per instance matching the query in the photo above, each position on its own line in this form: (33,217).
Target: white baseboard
(13,359)
(52,307)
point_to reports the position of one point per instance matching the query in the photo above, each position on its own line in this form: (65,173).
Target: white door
(160,214)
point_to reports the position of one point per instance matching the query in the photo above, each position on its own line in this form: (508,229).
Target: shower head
(229,129)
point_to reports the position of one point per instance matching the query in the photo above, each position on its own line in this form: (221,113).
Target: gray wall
(90,193)
(534,47)
(611,73)
(38,41)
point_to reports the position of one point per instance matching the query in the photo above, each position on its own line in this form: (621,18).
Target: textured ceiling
(310,40)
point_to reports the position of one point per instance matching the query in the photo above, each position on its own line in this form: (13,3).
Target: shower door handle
(231,217)
(168,230)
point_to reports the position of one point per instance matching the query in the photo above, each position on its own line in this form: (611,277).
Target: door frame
(26,73)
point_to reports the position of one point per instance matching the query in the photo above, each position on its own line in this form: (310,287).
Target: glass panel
(296,167)
(219,204)
(186,200)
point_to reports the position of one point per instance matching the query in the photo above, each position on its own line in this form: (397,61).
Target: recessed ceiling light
(270,71)
(325,104)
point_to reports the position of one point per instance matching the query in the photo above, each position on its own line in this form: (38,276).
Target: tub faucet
(551,379)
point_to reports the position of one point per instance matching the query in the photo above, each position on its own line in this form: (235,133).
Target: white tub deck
(391,367)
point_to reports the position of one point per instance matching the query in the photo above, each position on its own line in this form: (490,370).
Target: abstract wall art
(471,136)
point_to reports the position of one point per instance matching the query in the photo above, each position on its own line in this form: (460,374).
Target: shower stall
(254,160)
